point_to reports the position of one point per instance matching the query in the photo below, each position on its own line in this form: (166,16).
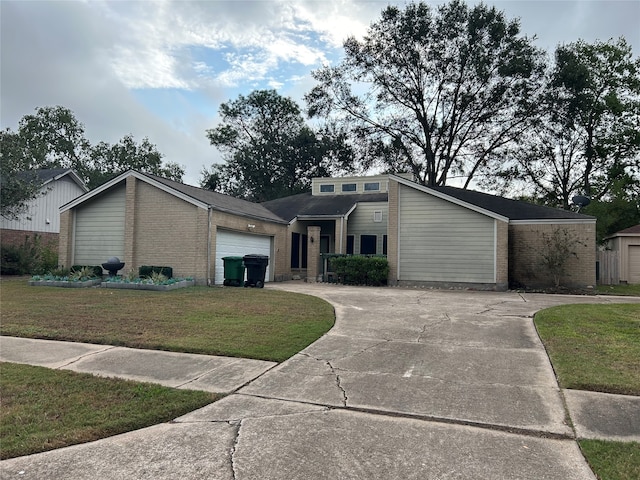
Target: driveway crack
(234,447)
(339,384)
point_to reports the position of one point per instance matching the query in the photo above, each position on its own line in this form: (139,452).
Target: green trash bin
(233,271)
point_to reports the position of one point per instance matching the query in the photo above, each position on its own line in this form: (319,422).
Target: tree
(110,160)
(269,150)
(588,139)
(439,93)
(559,247)
(54,138)
(17,187)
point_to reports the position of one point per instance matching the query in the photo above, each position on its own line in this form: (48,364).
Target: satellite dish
(581,201)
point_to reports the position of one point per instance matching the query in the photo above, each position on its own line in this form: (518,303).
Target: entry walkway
(408,384)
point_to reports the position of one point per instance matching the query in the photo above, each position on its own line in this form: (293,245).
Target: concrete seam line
(81,357)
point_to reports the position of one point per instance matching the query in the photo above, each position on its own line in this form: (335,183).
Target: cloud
(161,69)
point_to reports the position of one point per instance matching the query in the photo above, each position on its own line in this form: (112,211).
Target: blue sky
(161,69)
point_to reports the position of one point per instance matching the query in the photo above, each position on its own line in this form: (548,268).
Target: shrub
(361,270)
(84,273)
(32,257)
(147,271)
(95,269)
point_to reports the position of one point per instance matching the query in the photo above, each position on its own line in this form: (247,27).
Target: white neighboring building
(59,186)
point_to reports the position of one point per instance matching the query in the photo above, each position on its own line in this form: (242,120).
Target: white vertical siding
(443,242)
(99,228)
(43,214)
(360,222)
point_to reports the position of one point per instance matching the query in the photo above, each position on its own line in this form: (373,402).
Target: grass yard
(613,460)
(594,347)
(597,347)
(238,322)
(44,409)
(633,290)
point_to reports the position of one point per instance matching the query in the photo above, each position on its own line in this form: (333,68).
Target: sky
(161,69)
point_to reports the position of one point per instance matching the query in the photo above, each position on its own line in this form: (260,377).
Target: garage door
(634,263)
(234,244)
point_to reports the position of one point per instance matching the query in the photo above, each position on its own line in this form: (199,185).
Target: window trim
(372,186)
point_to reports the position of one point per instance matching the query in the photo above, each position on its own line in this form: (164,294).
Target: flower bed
(65,283)
(147,284)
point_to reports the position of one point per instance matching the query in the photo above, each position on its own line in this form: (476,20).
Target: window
(377,216)
(298,250)
(372,187)
(328,188)
(295,250)
(384,244)
(349,187)
(350,243)
(368,244)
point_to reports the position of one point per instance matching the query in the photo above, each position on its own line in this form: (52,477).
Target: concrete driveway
(410,383)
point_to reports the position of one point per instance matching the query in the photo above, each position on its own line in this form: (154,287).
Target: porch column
(313,254)
(130,225)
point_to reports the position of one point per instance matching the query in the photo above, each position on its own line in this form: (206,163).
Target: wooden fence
(608,273)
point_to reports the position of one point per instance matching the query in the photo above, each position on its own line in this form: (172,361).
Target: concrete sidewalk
(177,370)
(408,384)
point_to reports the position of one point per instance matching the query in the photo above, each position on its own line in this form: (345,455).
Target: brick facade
(162,229)
(526,244)
(18,237)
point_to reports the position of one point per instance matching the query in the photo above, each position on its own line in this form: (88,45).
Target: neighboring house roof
(308,205)
(494,205)
(47,175)
(197,196)
(627,232)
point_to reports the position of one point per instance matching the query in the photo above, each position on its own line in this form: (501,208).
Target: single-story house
(147,220)
(42,217)
(430,235)
(627,245)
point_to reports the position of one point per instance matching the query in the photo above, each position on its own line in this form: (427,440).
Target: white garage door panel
(234,244)
(634,263)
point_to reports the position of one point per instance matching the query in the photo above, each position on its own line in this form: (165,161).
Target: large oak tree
(436,92)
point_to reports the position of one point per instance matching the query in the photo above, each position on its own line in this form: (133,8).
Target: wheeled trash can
(233,271)
(256,269)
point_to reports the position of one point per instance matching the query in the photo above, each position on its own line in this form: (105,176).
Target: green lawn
(238,322)
(43,409)
(633,290)
(594,347)
(597,347)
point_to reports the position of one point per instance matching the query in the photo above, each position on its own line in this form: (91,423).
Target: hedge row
(360,270)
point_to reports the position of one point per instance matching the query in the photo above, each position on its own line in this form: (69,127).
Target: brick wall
(18,237)
(526,244)
(502,255)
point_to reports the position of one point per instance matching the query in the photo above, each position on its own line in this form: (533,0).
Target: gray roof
(512,209)
(338,205)
(44,175)
(219,201)
(306,204)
